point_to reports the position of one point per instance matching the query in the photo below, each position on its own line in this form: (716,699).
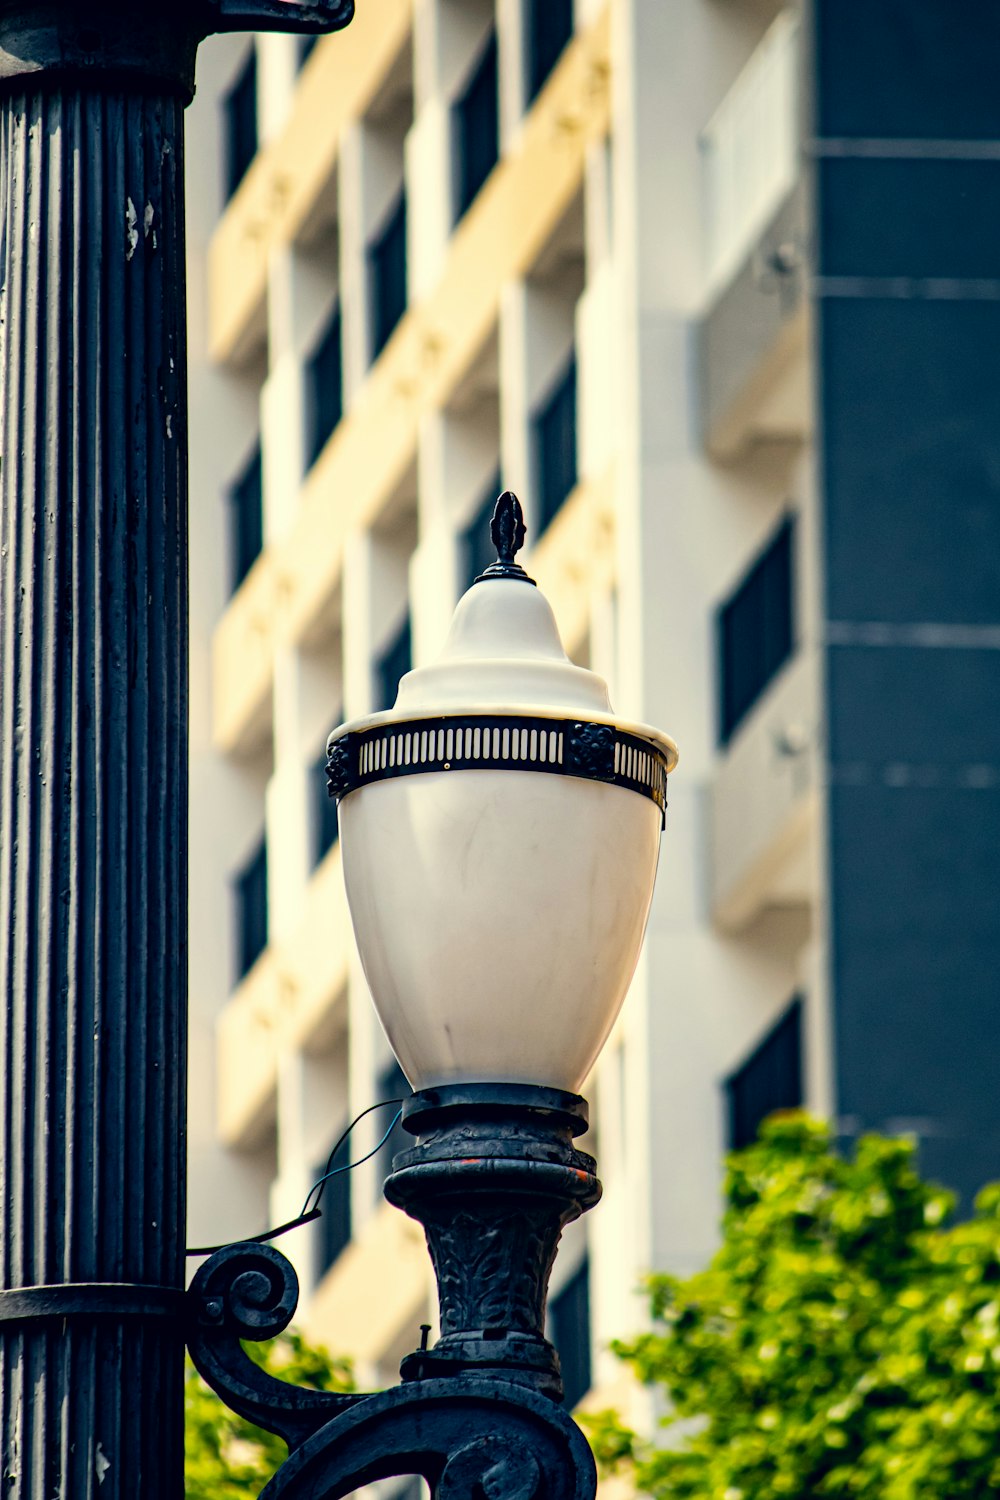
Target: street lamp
(500,831)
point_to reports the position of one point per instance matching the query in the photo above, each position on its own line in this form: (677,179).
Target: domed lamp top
(500,832)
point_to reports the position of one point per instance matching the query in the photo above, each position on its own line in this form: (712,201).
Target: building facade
(618,256)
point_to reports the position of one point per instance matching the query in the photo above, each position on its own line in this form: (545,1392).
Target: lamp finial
(507,531)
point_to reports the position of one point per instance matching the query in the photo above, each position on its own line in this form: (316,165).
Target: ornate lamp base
(493,1178)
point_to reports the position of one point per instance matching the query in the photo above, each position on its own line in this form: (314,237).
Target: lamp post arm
(469,1436)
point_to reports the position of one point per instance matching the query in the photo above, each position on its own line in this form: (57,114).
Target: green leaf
(843,1343)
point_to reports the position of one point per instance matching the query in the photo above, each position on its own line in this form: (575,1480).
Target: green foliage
(227,1458)
(843,1343)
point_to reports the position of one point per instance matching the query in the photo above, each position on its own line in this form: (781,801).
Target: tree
(843,1343)
(228,1458)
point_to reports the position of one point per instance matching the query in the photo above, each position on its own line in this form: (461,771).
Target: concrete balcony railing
(754,336)
(750,149)
(764,802)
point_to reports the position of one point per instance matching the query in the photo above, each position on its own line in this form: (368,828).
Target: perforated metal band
(469,742)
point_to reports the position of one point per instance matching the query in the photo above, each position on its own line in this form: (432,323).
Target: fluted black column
(93,786)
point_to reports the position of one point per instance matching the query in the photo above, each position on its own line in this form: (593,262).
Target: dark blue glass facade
(907,314)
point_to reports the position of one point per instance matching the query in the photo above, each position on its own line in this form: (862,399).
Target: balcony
(290,175)
(500,237)
(754,336)
(764,801)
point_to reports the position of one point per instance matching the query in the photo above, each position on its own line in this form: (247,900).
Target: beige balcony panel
(318,958)
(430,352)
(241,695)
(284,183)
(764,802)
(246,1048)
(375,1288)
(774,401)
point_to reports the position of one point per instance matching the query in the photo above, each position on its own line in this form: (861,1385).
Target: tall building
(713,288)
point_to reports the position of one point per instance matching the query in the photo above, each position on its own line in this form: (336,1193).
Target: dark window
(240,108)
(755,632)
(477,549)
(333,1229)
(476,129)
(250,888)
(325,827)
(305,48)
(387,276)
(569,1318)
(395,661)
(554,439)
(324,390)
(246,521)
(392,1084)
(769,1080)
(549,26)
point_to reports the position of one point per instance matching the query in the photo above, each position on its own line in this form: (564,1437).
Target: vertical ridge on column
(93,779)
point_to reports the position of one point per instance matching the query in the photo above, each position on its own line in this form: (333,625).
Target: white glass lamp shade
(500,832)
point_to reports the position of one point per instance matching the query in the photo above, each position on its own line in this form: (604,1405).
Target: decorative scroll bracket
(471,1436)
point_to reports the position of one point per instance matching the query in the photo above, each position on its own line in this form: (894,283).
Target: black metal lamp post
(500,830)
(93,733)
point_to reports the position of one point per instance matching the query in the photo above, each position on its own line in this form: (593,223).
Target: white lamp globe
(500,830)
